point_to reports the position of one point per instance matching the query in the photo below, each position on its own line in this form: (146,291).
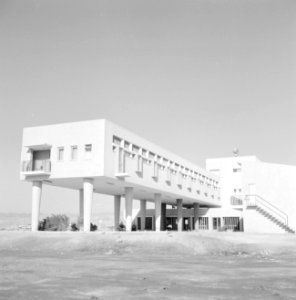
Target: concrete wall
(207,193)
(255,222)
(231,182)
(275,183)
(67,135)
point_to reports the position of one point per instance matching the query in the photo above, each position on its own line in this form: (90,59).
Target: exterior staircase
(269,211)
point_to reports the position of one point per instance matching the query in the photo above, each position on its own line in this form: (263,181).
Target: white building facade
(101,157)
(262,194)
(235,193)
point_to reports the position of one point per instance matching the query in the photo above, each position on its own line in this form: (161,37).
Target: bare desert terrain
(146,265)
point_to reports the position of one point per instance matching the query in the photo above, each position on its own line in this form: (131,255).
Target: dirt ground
(147,265)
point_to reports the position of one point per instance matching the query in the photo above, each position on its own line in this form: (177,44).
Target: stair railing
(256,200)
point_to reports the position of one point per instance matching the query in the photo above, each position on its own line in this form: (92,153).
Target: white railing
(236,200)
(256,200)
(40,165)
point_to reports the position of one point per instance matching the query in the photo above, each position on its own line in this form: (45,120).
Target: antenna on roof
(235,152)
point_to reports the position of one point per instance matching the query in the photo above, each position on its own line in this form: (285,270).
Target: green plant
(54,223)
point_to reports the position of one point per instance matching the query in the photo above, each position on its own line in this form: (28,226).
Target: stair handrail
(270,206)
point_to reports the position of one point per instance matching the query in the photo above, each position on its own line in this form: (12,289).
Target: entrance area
(216,223)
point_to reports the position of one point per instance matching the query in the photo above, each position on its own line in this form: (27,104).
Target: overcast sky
(196,77)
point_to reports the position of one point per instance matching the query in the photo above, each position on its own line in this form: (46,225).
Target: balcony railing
(40,166)
(237,200)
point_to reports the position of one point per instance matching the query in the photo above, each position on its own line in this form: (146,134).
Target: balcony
(34,168)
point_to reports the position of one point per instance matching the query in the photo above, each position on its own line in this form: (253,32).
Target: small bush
(93,227)
(74,227)
(134,227)
(121,227)
(54,223)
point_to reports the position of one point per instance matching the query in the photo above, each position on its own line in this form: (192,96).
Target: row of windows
(74,152)
(150,157)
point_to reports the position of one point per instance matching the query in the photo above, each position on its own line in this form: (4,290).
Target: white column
(88,187)
(180,214)
(36,200)
(81,206)
(210,223)
(143,214)
(157,200)
(117,200)
(128,208)
(195,214)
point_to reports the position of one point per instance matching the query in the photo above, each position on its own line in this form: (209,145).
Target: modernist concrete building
(236,193)
(262,194)
(101,157)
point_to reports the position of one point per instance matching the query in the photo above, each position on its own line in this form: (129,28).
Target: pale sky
(196,77)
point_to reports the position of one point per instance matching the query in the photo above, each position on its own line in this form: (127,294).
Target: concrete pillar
(88,187)
(36,200)
(81,206)
(117,200)
(143,214)
(210,223)
(222,223)
(163,216)
(195,214)
(128,208)
(157,199)
(180,214)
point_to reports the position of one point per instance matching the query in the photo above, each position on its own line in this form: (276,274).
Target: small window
(116,140)
(61,153)
(135,149)
(74,151)
(88,150)
(151,155)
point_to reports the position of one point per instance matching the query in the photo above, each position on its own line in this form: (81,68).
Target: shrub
(93,227)
(54,223)
(74,227)
(121,227)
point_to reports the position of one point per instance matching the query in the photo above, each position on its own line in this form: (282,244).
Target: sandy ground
(147,265)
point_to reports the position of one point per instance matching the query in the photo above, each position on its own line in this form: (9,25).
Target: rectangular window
(61,153)
(203,223)
(116,140)
(136,149)
(74,151)
(88,150)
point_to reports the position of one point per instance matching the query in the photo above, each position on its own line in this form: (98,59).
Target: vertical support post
(117,200)
(128,208)
(210,223)
(180,214)
(195,212)
(88,187)
(36,200)
(143,214)
(157,199)
(81,206)
(163,216)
